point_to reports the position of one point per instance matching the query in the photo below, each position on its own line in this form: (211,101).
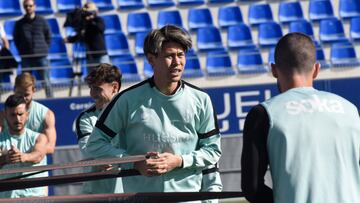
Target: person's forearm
(33,157)
(208,154)
(99,145)
(51,140)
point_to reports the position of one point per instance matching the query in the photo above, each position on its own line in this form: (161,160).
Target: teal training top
(147,120)
(24,143)
(314,147)
(37,115)
(35,121)
(85,124)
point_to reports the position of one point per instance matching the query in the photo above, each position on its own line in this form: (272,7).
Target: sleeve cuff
(188,161)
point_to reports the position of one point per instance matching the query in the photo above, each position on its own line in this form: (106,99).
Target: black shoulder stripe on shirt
(83,135)
(210,170)
(105,129)
(193,86)
(216,130)
(78,131)
(100,123)
(208,134)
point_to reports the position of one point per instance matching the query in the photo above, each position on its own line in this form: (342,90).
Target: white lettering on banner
(239,103)
(81,106)
(227,107)
(225,122)
(225,126)
(315,104)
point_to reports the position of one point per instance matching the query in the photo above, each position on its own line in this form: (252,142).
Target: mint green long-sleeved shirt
(147,120)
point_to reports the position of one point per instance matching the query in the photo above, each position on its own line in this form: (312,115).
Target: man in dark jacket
(32,39)
(90,30)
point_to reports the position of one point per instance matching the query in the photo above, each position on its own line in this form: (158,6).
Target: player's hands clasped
(158,163)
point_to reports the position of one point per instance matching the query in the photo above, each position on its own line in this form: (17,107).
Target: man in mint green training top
(164,117)
(310,138)
(20,146)
(104,82)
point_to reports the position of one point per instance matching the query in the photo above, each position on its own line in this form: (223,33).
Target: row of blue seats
(208,38)
(12,8)
(258,13)
(218,63)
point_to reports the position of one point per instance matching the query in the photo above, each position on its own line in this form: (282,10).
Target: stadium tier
(217,28)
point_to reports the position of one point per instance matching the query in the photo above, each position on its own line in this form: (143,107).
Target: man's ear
(316,70)
(151,59)
(116,86)
(274,70)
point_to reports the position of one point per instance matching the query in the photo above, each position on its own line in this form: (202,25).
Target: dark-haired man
(20,146)
(104,82)
(32,37)
(168,119)
(310,138)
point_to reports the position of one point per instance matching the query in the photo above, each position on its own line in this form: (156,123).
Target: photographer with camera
(89,29)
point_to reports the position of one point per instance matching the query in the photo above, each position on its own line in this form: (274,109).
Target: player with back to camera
(310,138)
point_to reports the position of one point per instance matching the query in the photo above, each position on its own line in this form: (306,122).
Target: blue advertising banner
(231,103)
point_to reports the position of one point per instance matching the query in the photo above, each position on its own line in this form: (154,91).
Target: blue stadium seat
(9,28)
(220,1)
(229,15)
(349,8)
(127,65)
(343,54)
(355,29)
(218,63)
(290,11)
(249,61)
(44,7)
(190,2)
(169,17)
(5,84)
(320,9)
(269,34)
(139,43)
(271,56)
(148,70)
(130,4)
(104,5)
(112,23)
(302,26)
(331,30)
(239,36)
(138,22)
(57,48)
(117,44)
(199,17)
(259,13)
(61,71)
(209,39)
(54,27)
(192,66)
(65,6)
(160,3)
(320,56)
(10,8)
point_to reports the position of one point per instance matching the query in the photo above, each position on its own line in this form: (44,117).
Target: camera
(85,14)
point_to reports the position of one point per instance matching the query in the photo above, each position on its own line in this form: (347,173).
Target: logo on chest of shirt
(314,104)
